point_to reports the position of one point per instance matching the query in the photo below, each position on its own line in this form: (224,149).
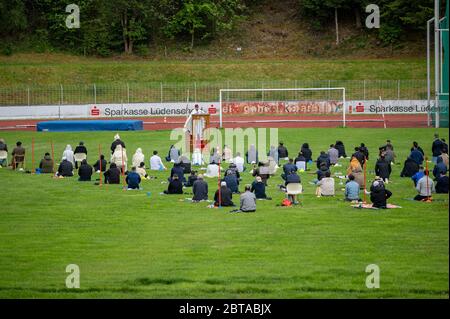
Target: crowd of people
(182,176)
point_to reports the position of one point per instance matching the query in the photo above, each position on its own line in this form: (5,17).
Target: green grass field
(55,69)
(129,245)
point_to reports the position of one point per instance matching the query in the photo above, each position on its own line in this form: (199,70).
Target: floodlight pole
(220,105)
(428,72)
(344,106)
(436,62)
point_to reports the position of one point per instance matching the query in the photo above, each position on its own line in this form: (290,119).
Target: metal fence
(198,91)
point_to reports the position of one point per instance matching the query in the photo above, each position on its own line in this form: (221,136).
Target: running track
(356,121)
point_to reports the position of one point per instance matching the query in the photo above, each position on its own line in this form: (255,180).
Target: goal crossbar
(221,91)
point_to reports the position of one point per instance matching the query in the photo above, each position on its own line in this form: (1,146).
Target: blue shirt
(133,179)
(416,156)
(417,176)
(352,190)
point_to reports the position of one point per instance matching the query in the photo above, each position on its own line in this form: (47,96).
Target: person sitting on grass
(383,168)
(212,170)
(288,168)
(65,168)
(417,176)
(177,170)
(436,148)
(325,187)
(85,171)
(323,158)
(175,186)
(282,151)
(112,175)
(138,157)
(359,156)
(68,154)
(352,189)
(417,156)
(239,162)
(307,153)
(379,194)
(80,149)
(100,162)
(339,145)
(156,163)
(439,167)
(232,183)
(262,170)
(3,147)
(141,170)
(46,164)
(247,201)
(294,179)
(200,189)
(225,196)
(333,155)
(191,179)
(442,184)
(133,179)
(173,155)
(425,187)
(232,169)
(409,168)
(259,188)
(363,149)
(117,141)
(300,162)
(322,171)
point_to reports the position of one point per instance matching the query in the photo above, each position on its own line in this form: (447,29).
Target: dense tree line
(112,26)
(119,25)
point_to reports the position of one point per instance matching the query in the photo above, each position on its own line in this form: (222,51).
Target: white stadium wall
(91,111)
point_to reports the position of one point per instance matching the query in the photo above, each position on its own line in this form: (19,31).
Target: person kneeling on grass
(379,194)
(351,189)
(259,188)
(65,168)
(100,163)
(200,189)
(141,170)
(85,171)
(191,179)
(46,164)
(325,186)
(133,179)
(225,196)
(112,175)
(175,186)
(442,184)
(425,187)
(247,201)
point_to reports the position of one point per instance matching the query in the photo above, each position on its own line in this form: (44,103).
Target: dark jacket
(419,149)
(65,169)
(442,185)
(292,178)
(379,196)
(307,153)
(288,168)
(3,147)
(360,157)
(365,151)
(133,179)
(341,149)
(200,190)
(97,165)
(321,172)
(282,151)
(437,147)
(323,158)
(301,158)
(80,149)
(112,175)
(225,197)
(232,183)
(259,189)
(115,143)
(85,172)
(409,168)
(46,164)
(191,180)
(439,168)
(383,168)
(417,156)
(175,187)
(177,170)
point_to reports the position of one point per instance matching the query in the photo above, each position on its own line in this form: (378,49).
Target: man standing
(195,130)
(18,155)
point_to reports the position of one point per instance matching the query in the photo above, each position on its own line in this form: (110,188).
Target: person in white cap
(117,141)
(225,196)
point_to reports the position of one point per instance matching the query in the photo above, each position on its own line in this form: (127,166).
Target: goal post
(283,101)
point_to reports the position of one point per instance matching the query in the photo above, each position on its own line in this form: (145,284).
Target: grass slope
(130,245)
(54,69)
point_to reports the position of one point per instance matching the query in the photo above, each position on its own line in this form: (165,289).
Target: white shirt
(196,131)
(239,161)
(212,170)
(156,163)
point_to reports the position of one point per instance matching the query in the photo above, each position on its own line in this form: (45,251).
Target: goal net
(284,104)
